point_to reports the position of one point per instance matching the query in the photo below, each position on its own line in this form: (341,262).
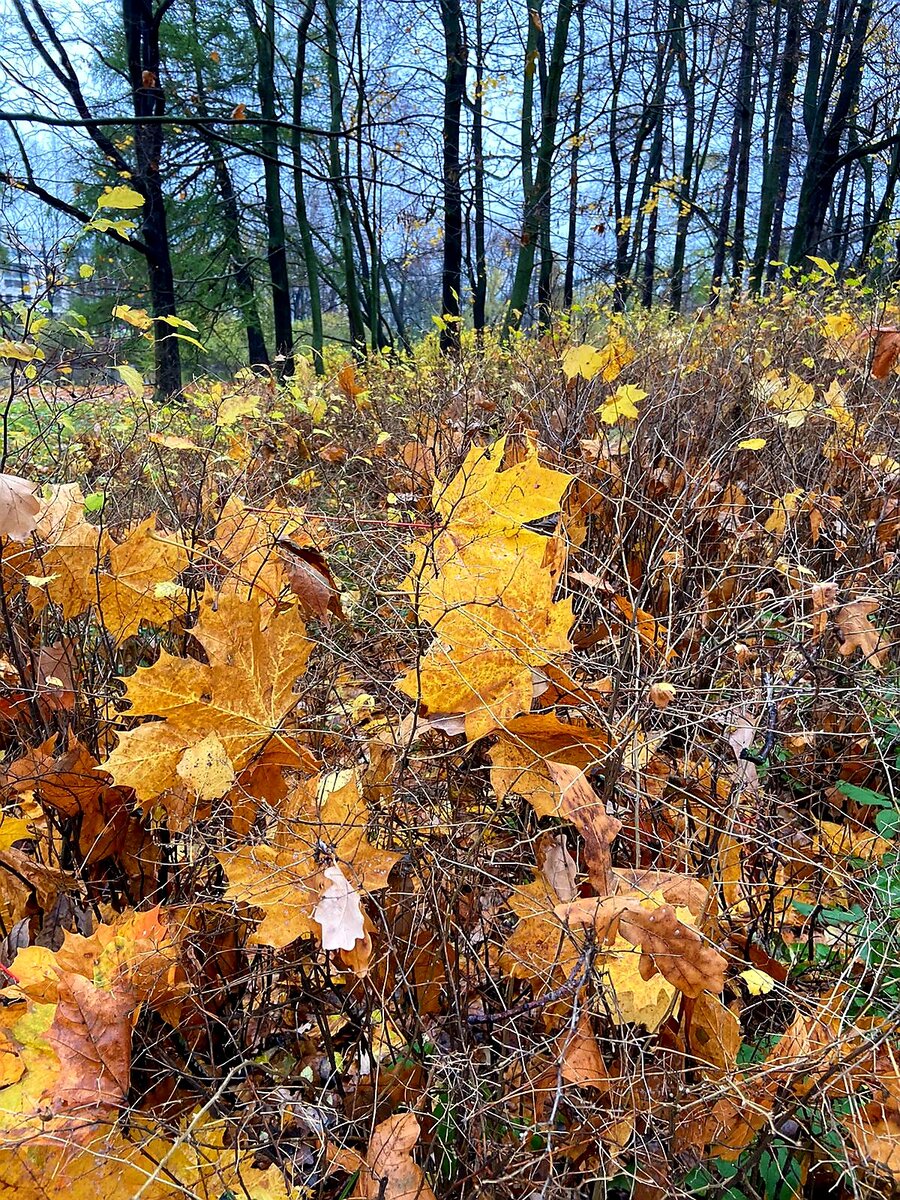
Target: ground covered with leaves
(458,778)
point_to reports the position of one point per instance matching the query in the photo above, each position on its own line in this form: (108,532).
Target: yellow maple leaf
(242,695)
(247,540)
(630,997)
(130,592)
(324,819)
(483,583)
(623,405)
(584,361)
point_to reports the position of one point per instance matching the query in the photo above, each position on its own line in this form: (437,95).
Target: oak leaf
(390,1172)
(582,1062)
(859,633)
(668,945)
(541,949)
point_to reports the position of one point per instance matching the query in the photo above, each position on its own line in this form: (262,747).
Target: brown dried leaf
(581,805)
(91,1034)
(559,867)
(858,631)
(390,1172)
(582,1062)
(667,945)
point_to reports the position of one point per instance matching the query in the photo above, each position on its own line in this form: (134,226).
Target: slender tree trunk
(686,81)
(883,212)
(141,29)
(654,167)
(735,150)
(456,53)
(745,123)
(537,199)
(777,169)
(264,39)
(257,354)
(338,181)
(829,123)
(479,290)
(310,258)
(572,231)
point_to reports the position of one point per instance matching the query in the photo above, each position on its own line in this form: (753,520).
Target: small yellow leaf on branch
(121,197)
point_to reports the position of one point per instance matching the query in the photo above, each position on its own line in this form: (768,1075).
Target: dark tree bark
(257,352)
(827,115)
(777,168)
(338,179)
(264,40)
(572,231)
(141,28)
(456,55)
(737,154)
(536,216)
(310,258)
(479,280)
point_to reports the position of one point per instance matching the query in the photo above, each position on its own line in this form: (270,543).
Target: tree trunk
(736,152)
(264,39)
(829,120)
(338,181)
(310,258)
(572,231)
(456,53)
(479,288)
(777,170)
(257,353)
(537,199)
(141,29)
(745,124)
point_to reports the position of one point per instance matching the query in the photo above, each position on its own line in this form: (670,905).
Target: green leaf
(831,916)
(94,502)
(887,822)
(864,795)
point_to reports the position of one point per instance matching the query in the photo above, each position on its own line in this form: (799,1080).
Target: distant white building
(28,282)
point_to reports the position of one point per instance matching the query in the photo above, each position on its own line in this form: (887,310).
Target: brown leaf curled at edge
(581,805)
(667,945)
(311,581)
(885,353)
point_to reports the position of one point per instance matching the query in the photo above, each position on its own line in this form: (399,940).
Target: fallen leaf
(19,507)
(859,633)
(339,912)
(390,1172)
